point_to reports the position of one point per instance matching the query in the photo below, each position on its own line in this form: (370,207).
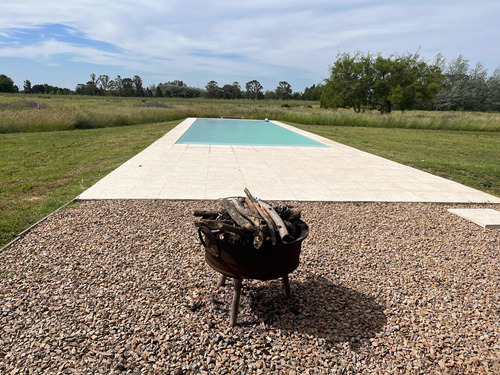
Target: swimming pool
(243,132)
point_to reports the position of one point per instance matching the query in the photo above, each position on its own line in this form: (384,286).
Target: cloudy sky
(61,42)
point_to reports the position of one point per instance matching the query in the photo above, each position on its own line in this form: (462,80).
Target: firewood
(253,216)
(280,225)
(236,216)
(206,213)
(247,220)
(254,205)
(202,221)
(225,228)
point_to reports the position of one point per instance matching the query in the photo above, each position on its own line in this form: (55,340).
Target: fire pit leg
(222,281)
(286,286)
(236,302)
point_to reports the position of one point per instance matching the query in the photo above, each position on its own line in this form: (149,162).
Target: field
(28,113)
(52,147)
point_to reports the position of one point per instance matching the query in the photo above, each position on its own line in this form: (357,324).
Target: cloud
(227,39)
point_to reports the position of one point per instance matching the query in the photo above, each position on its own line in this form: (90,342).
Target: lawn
(39,172)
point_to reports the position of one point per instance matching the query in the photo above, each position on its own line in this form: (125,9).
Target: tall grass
(28,113)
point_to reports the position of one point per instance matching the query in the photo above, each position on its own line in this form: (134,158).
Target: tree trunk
(388,106)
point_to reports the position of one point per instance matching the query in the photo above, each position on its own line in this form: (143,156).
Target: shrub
(83,123)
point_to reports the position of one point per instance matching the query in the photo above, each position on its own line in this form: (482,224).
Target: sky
(62,42)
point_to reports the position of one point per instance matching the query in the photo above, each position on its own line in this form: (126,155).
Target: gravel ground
(122,286)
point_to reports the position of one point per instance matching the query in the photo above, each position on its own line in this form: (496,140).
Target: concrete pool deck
(166,170)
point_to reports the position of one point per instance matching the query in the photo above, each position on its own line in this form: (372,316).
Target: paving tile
(145,192)
(358,196)
(485,217)
(166,170)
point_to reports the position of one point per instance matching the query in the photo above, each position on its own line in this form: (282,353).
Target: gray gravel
(122,286)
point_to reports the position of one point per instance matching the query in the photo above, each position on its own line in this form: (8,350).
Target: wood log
(198,223)
(225,228)
(205,213)
(280,225)
(236,216)
(253,216)
(254,205)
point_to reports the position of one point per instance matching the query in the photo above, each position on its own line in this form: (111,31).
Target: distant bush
(84,123)
(148,104)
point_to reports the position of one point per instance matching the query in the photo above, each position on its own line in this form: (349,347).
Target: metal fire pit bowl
(245,262)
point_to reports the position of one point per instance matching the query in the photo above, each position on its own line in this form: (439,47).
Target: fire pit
(252,249)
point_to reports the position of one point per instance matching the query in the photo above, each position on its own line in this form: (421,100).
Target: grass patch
(40,172)
(471,158)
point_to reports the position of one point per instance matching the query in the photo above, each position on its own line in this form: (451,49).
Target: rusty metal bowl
(245,262)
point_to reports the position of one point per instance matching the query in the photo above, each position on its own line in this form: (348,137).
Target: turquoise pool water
(243,132)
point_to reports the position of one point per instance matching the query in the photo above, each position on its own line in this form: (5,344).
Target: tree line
(253,90)
(103,85)
(358,81)
(363,81)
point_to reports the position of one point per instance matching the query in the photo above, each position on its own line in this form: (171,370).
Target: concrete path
(166,170)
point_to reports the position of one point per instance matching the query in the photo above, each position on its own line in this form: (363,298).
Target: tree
(6,84)
(27,86)
(493,85)
(364,81)
(227,91)
(177,82)
(406,81)
(92,85)
(254,89)
(213,90)
(236,90)
(158,92)
(231,91)
(283,91)
(137,84)
(177,89)
(127,87)
(453,91)
(118,85)
(477,89)
(104,83)
(313,92)
(350,83)
(269,94)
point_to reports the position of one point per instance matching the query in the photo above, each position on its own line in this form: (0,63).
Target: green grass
(39,172)
(31,113)
(471,158)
